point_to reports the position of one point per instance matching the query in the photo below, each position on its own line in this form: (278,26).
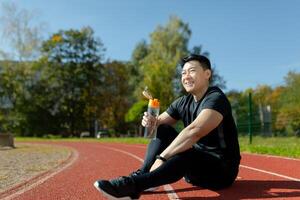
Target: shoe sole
(109,196)
(151,189)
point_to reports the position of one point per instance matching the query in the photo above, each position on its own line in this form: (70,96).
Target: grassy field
(127,140)
(282,146)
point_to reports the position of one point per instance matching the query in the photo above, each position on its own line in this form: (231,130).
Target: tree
(199,50)
(135,67)
(23,38)
(71,76)
(157,66)
(15,77)
(288,115)
(234,97)
(20,32)
(275,105)
(167,45)
(114,99)
(262,96)
(240,109)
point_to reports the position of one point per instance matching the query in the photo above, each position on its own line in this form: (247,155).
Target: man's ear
(208,74)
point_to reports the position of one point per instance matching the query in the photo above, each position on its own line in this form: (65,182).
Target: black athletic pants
(197,167)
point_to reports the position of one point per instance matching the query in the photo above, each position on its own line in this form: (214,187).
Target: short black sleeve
(187,109)
(173,108)
(217,101)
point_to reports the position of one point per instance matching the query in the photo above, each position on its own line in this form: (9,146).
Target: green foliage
(157,61)
(167,45)
(68,88)
(136,112)
(288,119)
(136,71)
(156,64)
(71,73)
(262,94)
(283,101)
(59,93)
(291,93)
(14,83)
(114,100)
(240,109)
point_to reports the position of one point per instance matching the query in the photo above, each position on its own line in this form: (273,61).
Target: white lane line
(168,188)
(264,171)
(135,146)
(271,156)
(25,188)
(170,192)
(271,173)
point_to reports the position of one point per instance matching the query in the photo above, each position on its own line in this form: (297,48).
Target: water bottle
(153,109)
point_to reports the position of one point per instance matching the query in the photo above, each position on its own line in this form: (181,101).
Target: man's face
(194,78)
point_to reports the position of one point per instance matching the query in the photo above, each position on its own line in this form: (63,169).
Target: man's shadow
(248,189)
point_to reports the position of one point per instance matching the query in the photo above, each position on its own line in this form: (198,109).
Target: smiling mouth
(189,84)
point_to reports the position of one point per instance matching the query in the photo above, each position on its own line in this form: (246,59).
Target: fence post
(250,117)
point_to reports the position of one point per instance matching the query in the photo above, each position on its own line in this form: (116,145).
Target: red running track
(260,177)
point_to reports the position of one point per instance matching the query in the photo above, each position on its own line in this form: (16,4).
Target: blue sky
(251,42)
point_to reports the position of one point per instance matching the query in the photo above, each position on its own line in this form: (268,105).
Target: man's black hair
(204,61)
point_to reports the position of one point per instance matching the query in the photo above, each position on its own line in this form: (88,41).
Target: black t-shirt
(223,140)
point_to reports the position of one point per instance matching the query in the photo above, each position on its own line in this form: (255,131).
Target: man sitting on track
(206,152)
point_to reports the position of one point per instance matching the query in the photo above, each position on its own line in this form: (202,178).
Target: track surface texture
(260,177)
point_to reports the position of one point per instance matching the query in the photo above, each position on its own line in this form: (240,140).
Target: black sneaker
(139,172)
(122,188)
(135,173)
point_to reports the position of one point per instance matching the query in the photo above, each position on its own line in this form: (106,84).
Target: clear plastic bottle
(153,109)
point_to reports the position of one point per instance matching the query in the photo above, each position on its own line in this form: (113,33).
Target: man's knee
(166,132)
(164,128)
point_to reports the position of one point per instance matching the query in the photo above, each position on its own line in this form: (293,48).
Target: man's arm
(164,118)
(205,122)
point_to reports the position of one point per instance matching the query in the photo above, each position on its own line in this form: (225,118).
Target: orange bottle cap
(154,103)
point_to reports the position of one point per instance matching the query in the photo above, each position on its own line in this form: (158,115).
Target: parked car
(102,133)
(85,134)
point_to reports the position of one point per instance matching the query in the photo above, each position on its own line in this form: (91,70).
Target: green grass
(282,146)
(128,140)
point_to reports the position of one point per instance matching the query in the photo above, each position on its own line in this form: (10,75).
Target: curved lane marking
(25,188)
(271,156)
(271,173)
(260,170)
(168,188)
